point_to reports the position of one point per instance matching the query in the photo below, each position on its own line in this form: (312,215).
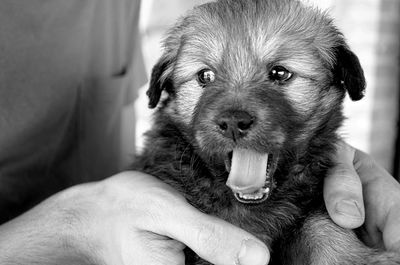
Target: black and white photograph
(199,132)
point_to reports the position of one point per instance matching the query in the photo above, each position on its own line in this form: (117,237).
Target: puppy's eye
(280,74)
(206,76)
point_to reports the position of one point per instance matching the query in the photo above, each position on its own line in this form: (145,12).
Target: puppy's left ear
(349,74)
(159,81)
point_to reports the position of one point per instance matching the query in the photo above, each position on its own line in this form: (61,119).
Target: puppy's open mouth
(250,175)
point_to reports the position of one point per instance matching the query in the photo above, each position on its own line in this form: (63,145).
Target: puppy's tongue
(248,172)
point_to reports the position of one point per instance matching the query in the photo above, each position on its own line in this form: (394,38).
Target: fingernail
(349,208)
(253,253)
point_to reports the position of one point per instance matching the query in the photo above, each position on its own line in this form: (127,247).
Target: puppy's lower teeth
(255,197)
(250,196)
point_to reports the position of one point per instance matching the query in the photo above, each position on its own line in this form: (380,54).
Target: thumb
(213,239)
(343,190)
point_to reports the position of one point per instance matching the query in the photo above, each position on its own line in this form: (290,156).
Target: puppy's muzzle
(235,124)
(249,177)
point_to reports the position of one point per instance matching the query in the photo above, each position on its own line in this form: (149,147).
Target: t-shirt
(67,68)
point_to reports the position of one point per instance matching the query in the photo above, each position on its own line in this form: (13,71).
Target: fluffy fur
(241,41)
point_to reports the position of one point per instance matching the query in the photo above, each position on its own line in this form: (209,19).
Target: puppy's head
(248,81)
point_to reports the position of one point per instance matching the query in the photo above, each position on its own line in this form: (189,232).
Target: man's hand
(153,219)
(358,189)
(131,218)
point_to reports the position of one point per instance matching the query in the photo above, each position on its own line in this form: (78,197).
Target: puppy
(250,98)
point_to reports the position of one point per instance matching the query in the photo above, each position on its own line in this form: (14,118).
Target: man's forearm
(43,236)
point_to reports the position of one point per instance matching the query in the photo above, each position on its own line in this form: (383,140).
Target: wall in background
(372,30)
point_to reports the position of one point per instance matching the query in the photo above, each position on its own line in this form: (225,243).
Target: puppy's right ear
(159,81)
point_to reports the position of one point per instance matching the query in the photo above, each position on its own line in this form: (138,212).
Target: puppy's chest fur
(170,157)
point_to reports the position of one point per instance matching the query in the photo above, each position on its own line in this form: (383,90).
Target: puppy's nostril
(223,126)
(245,124)
(234,124)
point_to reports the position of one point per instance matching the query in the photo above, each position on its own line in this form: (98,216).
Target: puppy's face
(248,82)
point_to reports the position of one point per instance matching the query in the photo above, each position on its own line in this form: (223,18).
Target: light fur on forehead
(261,20)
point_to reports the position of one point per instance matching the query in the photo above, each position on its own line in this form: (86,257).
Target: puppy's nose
(234,124)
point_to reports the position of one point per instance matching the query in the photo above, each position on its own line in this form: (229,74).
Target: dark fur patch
(296,120)
(349,72)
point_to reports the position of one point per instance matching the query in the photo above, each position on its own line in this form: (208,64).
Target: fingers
(152,249)
(343,190)
(391,231)
(215,240)
(382,197)
(165,212)
(369,171)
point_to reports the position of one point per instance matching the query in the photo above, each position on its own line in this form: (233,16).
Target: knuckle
(344,172)
(345,179)
(209,238)
(158,206)
(368,163)
(160,199)
(164,251)
(159,259)
(363,161)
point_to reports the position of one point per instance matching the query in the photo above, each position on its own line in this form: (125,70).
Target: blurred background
(371,28)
